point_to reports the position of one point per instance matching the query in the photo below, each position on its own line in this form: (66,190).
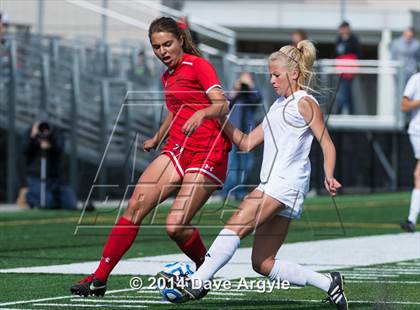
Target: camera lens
(43,126)
(44,130)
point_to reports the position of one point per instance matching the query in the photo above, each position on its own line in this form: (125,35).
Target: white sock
(298,275)
(220,252)
(414,205)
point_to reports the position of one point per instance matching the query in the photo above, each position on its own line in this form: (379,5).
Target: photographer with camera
(42,149)
(244,98)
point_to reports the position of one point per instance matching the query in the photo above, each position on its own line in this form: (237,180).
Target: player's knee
(173,230)
(136,210)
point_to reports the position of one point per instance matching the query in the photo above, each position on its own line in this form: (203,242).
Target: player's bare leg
(410,224)
(193,194)
(155,185)
(157,182)
(268,239)
(254,210)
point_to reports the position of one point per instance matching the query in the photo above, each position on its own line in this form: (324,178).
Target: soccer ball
(179,269)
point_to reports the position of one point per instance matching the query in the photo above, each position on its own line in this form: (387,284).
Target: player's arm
(408,105)
(245,142)
(159,135)
(313,117)
(217,109)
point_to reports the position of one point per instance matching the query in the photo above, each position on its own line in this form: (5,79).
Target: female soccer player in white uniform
(287,132)
(411,102)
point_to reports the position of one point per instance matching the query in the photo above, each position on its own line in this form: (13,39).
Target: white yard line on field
(20,302)
(317,255)
(91,306)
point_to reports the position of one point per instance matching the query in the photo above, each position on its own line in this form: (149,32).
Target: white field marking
(384,273)
(383,282)
(142,293)
(126,296)
(408,264)
(339,253)
(391,271)
(215,292)
(91,306)
(388,269)
(16,309)
(362,279)
(300,300)
(12,303)
(350,301)
(145,301)
(225,294)
(384,302)
(285,300)
(222,298)
(369,275)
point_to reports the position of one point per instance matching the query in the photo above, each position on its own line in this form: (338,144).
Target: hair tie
(300,49)
(181,24)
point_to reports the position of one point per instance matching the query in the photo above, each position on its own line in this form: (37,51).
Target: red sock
(195,248)
(119,241)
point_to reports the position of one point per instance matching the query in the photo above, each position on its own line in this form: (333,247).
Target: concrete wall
(323,17)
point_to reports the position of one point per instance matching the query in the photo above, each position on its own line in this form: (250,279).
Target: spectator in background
(347,48)
(139,68)
(406,49)
(42,149)
(4,23)
(297,36)
(411,102)
(243,100)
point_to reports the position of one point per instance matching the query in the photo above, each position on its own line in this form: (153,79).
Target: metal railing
(93,93)
(84,106)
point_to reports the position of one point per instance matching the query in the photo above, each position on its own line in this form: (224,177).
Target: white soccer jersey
(412,92)
(287,143)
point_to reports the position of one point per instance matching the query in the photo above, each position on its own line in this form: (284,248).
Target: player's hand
(34,130)
(332,185)
(150,144)
(193,123)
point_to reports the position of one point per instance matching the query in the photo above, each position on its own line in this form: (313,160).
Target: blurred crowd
(43,142)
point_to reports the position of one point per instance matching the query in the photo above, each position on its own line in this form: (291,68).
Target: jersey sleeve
(410,88)
(206,75)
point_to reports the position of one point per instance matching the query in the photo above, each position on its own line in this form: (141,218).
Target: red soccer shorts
(211,164)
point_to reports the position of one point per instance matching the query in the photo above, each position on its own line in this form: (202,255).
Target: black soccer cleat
(184,285)
(408,226)
(193,291)
(89,286)
(336,294)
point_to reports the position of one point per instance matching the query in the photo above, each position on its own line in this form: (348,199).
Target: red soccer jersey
(186,89)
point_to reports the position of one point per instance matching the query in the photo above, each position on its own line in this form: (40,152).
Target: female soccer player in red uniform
(194,159)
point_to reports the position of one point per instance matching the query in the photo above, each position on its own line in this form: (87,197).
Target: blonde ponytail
(301,58)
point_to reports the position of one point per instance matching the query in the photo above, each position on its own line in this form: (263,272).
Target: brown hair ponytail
(168,24)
